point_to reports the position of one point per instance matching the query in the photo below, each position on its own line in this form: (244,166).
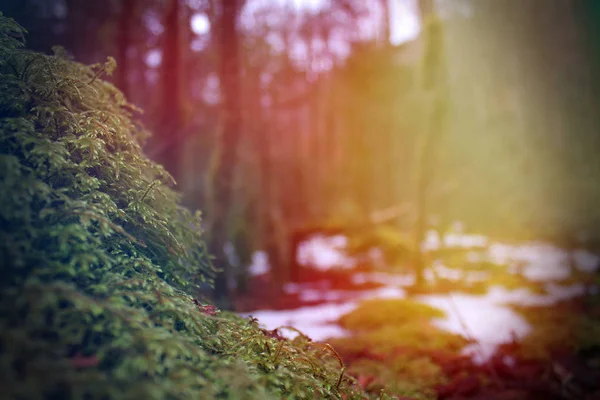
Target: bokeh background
(283,118)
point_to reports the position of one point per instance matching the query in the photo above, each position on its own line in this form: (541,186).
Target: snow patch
(260,264)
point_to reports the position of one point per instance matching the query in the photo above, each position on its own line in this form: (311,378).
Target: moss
(396,247)
(418,336)
(565,326)
(377,314)
(394,345)
(403,375)
(99,260)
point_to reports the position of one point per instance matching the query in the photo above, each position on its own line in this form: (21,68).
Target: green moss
(393,345)
(99,259)
(396,247)
(403,375)
(565,326)
(377,314)
(417,336)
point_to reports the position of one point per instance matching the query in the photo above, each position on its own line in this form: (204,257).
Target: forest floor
(401,339)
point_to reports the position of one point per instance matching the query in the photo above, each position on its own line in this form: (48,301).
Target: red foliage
(206,309)
(274,334)
(465,386)
(365,380)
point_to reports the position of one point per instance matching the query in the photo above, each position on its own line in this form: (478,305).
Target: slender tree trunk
(123,45)
(435,84)
(170,122)
(225,156)
(386,34)
(268,180)
(329,191)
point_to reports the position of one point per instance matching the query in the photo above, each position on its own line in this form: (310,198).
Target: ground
(394,346)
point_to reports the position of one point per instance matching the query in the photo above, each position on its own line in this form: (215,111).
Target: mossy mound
(420,337)
(411,377)
(394,345)
(395,246)
(564,326)
(98,259)
(381,313)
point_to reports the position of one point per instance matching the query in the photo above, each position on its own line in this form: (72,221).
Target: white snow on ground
(316,321)
(453,239)
(319,322)
(322,252)
(349,295)
(537,261)
(260,264)
(383,278)
(541,262)
(485,320)
(488,318)
(464,240)
(437,270)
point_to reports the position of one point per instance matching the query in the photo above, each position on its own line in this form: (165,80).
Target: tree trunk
(123,45)
(434,83)
(386,31)
(225,156)
(170,123)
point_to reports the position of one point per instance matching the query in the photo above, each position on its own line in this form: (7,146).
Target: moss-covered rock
(98,259)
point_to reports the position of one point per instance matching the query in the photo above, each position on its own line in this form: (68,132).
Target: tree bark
(123,45)
(434,83)
(225,156)
(386,23)
(170,120)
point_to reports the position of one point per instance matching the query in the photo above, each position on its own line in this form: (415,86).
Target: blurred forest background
(278,118)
